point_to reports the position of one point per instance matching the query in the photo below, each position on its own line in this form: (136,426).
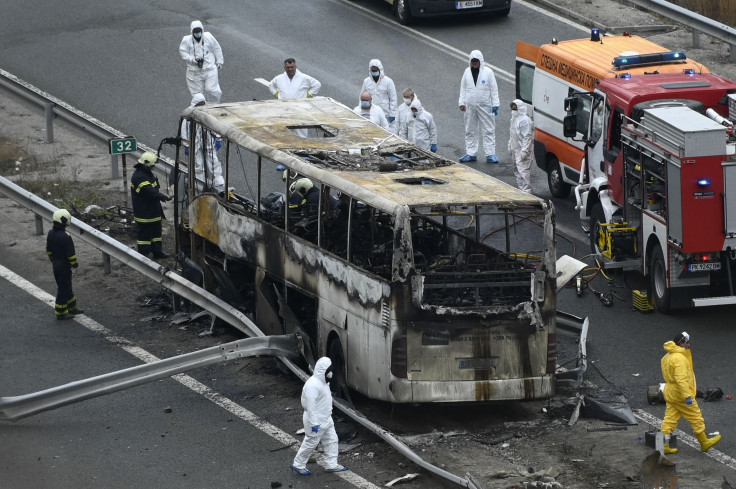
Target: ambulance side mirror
(569,126)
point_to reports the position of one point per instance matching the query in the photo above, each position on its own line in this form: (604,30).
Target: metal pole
(696,38)
(125,180)
(114,167)
(49,109)
(39,225)
(105,256)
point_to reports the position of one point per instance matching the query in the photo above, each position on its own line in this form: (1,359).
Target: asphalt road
(118,61)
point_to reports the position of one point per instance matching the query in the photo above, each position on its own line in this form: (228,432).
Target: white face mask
(329,375)
(407,101)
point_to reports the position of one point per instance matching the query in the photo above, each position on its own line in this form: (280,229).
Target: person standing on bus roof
(206,143)
(421,129)
(60,250)
(147,207)
(383,92)
(293,84)
(371,111)
(479,103)
(403,113)
(317,419)
(679,393)
(203,56)
(521,145)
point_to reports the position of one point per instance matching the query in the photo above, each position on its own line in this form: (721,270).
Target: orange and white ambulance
(546,75)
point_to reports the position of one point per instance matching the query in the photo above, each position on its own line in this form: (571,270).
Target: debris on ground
(401,480)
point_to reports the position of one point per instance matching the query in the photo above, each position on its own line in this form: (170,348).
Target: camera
(200,62)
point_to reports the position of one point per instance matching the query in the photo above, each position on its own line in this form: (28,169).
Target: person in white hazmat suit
(203,56)
(206,143)
(403,113)
(521,145)
(293,84)
(421,129)
(383,92)
(479,103)
(371,111)
(317,418)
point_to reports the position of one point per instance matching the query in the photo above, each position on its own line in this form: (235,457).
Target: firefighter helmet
(303,185)
(62,216)
(148,158)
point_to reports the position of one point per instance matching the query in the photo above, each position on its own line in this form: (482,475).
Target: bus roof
(352,154)
(583,62)
(706,88)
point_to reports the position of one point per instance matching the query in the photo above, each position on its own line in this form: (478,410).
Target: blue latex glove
(315,428)
(495,111)
(218,144)
(186,151)
(391,119)
(433,148)
(689,400)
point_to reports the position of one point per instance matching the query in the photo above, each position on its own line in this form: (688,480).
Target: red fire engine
(658,188)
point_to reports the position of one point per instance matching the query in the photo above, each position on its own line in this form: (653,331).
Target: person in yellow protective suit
(679,393)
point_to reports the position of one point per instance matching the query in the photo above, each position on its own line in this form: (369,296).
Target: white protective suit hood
(198,98)
(416,104)
(320,368)
(476,54)
(377,63)
(196,25)
(520,106)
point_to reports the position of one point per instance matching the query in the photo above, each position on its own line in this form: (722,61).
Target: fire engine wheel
(402,11)
(658,280)
(596,218)
(557,186)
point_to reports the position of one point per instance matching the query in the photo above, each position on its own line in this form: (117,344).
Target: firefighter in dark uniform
(144,189)
(60,248)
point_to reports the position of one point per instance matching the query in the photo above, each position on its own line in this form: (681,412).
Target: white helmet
(148,158)
(303,185)
(62,216)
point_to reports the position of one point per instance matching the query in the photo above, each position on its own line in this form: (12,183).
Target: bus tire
(557,186)
(661,294)
(403,12)
(597,217)
(338,383)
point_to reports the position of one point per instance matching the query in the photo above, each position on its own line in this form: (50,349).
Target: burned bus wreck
(422,279)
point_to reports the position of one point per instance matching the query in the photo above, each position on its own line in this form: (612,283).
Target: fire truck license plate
(704,267)
(468,4)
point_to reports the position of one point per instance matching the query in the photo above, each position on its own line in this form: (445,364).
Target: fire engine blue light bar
(703,182)
(646,59)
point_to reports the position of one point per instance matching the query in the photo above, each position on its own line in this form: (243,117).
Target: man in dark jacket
(144,188)
(60,249)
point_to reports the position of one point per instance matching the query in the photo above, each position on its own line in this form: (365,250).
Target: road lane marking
(688,440)
(187,381)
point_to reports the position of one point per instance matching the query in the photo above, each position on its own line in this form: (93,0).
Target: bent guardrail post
(19,407)
(699,23)
(156,272)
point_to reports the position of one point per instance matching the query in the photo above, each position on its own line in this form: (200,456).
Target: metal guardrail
(697,22)
(55,107)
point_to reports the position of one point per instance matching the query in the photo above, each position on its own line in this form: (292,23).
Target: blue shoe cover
(492,159)
(468,158)
(337,468)
(300,471)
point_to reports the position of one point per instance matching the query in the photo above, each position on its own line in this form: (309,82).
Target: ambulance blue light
(625,76)
(648,59)
(595,34)
(703,182)
(689,71)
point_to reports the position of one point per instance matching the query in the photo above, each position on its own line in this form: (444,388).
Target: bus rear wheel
(338,383)
(658,281)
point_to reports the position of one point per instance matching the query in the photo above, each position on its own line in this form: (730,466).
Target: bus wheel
(658,281)
(338,384)
(402,11)
(557,186)
(597,217)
